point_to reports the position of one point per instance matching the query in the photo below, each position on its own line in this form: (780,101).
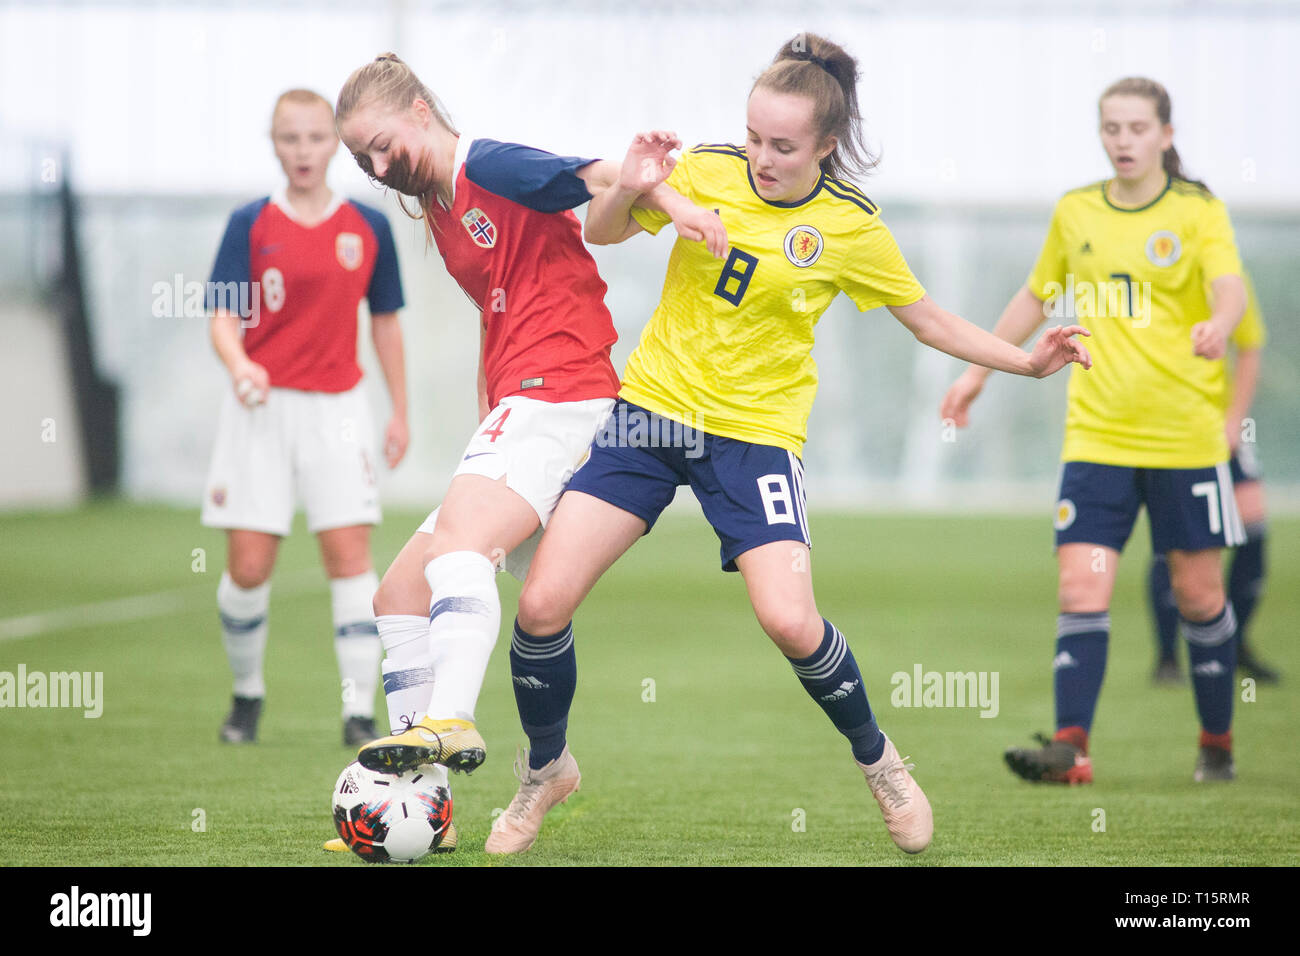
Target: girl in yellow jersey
(717,396)
(1133,256)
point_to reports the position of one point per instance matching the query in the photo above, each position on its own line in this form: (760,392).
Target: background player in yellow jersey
(1247,570)
(717,396)
(1136,254)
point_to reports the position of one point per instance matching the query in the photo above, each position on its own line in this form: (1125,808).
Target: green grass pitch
(697,744)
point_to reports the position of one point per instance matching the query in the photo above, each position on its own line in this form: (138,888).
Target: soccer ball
(388,817)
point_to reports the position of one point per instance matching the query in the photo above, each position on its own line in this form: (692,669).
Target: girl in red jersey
(290,274)
(500,216)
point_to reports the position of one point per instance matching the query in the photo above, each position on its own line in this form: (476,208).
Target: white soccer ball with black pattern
(386,817)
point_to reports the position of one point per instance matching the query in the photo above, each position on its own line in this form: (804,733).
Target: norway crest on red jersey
(480,228)
(348,248)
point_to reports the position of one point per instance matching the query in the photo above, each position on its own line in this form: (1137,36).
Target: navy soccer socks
(1079,667)
(544,670)
(831,677)
(1212,655)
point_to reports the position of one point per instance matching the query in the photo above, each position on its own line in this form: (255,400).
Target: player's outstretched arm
(952,334)
(1022,316)
(386,332)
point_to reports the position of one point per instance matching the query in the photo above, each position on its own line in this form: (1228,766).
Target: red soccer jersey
(310,281)
(512,242)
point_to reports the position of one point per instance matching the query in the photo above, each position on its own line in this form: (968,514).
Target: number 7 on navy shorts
(1190,509)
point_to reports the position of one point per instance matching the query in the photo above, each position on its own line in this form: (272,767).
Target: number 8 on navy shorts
(1190,509)
(751,494)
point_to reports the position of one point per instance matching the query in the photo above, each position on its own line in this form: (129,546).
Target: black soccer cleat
(1056,761)
(1214,763)
(358,731)
(241,723)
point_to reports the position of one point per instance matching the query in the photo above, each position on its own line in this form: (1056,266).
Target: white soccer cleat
(905,808)
(515,830)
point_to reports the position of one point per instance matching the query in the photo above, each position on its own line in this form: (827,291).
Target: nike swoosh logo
(267,250)
(429,737)
(477,454)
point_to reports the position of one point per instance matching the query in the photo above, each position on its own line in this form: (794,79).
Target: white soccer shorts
(317,446)
(537,446)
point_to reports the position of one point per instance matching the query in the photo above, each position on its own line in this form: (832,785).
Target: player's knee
(1082,594)
(345,554)
(543,608)
(796,631)
(1199,600)
(347,566)
(249,572)
(392,598)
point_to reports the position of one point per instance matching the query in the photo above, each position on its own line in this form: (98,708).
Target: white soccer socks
(243,631)
(464,620)
(408,670)
(356,641)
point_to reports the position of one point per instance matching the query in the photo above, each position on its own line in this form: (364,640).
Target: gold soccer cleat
(454,743)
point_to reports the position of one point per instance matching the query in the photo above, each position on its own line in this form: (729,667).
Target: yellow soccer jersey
(1138,279)
(728,349)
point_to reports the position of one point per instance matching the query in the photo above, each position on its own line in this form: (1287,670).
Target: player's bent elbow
(598,234)
(604,235)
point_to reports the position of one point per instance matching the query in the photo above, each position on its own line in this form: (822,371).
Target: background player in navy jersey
(296,421)
(1246,572)
(500,216)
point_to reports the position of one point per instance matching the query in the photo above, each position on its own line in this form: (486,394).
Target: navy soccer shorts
(751,494)
(1190,509)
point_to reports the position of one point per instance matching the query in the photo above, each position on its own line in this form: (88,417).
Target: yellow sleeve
(652,220)
(1052,266)
(1218,244)
(875,272)
(1250,332)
